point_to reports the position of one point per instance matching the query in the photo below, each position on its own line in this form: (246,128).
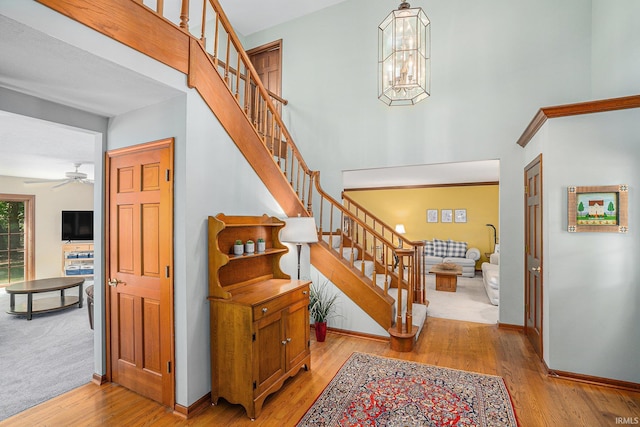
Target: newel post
(403,335)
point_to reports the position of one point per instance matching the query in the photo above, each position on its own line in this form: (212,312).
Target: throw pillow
(439,248)
(428,248)
(456,249)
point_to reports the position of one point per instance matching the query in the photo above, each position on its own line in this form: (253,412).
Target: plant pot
(321,331)
(249,247)
(261,246)
(238,249)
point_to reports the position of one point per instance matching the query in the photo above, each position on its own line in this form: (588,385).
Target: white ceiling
(250,16)
(55,71)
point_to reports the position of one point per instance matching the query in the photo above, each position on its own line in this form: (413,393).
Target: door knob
(114,282)
(535,269)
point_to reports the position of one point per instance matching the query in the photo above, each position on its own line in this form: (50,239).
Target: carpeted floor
(44,357)
(376,391)
(470,301)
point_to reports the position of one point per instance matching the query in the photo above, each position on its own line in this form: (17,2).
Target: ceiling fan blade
(43,181)
(66,181)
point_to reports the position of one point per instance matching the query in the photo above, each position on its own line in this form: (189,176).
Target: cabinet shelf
(267,252)
(77,259)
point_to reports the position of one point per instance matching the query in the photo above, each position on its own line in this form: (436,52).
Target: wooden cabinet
(259,316)
(77,259)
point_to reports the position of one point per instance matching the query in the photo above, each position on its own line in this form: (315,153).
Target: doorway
(419,196)
(267,61)
(533,287)
(140,326)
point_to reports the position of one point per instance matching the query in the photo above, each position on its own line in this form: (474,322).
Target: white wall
(494,63)
(615,54)
(49,204)
(211,176)
(591,291)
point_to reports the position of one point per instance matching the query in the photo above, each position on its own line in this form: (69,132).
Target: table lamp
(299,230)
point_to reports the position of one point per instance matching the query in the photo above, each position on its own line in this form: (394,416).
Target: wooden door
(140,269)
(268,352)
(267,62)
(297,334)
(533,291)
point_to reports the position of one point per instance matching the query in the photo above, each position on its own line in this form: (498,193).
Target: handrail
(275,96)
(254,99)
(375,245)
(396,239)
(376,221)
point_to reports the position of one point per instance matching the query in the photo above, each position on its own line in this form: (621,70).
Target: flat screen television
(77,225)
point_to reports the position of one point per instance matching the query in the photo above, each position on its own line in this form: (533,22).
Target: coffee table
(43,305)
(446,280)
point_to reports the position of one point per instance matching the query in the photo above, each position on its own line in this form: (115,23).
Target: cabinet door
(268,351)
(297,333)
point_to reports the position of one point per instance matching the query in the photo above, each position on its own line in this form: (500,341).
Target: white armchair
(491,277)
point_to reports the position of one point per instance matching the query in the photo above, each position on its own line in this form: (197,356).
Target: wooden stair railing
(337,222)
(236,70)
(128,21)
(385,230)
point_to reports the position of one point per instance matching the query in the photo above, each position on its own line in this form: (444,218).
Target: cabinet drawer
(272,306)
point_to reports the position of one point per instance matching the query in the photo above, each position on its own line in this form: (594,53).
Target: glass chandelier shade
(404,57)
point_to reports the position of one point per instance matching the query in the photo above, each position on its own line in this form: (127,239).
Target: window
(16,238)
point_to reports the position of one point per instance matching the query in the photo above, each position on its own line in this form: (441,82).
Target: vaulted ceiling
(50,69)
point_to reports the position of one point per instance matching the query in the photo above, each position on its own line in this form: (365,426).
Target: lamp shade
(400,229)
(299,230)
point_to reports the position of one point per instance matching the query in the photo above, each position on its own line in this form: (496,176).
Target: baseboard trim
(98,379)
(199,405)
(356,334)
(607,382)
(510,326)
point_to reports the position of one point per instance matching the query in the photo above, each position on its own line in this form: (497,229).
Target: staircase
(360,256)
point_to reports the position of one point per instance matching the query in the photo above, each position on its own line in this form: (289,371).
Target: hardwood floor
(537,399)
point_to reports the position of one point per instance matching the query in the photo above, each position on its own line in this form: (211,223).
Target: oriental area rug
(376,391)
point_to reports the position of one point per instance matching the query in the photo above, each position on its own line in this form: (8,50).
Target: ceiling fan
(70,178)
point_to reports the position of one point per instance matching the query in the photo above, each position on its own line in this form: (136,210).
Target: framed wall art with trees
(598,208)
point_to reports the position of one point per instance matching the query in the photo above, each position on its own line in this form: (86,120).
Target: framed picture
(432,215)
(460,215)
(446,215)
(598,209)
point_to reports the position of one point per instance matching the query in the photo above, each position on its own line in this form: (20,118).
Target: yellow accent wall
(409,207)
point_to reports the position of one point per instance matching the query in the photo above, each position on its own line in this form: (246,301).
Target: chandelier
(404,63)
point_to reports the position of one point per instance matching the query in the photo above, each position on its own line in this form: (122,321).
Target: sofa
(438,251)
(491,278)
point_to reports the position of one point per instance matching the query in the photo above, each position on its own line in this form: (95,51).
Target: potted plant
(249,247)
(261,245)
(322,306)
(238,248)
